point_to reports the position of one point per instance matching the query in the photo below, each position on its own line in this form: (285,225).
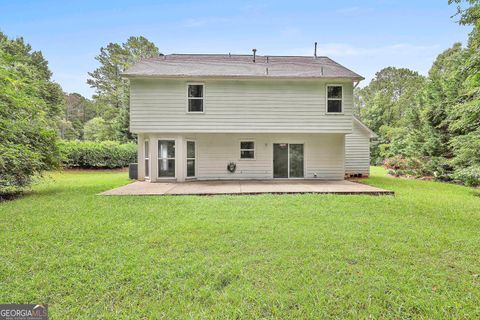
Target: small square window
(247,150)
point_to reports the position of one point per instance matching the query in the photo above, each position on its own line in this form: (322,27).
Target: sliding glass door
(280,160)
(166,158)
(296,160)
(288,160)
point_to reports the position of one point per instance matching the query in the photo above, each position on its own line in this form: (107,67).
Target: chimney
(254,54)
(315,51)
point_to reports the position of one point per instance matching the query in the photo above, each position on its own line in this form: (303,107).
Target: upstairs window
(195,96)
(247,149)
(334,99)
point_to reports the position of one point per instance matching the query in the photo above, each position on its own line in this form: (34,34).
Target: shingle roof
(372,134)
(226,65)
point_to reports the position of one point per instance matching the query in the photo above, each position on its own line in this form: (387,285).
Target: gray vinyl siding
(323,154)
(357,151)
(274,106)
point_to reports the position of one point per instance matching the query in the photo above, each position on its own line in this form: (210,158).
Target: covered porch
(179,157)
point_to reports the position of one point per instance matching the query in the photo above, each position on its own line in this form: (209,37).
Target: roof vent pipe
(315,51)
(254,54)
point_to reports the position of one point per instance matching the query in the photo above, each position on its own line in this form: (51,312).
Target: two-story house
(246,117)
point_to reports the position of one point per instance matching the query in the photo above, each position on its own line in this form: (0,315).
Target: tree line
(429,125)
(106,116)
(35,113)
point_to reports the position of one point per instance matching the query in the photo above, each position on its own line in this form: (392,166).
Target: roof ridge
(244,55)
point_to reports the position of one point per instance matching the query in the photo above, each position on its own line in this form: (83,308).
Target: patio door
(288,160)
(166,158)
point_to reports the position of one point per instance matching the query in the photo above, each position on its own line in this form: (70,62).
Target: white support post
(153,158)
(343,155)
(180,161)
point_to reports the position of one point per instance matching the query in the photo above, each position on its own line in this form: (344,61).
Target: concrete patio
(239,187)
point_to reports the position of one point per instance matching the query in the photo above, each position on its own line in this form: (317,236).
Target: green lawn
(415,255)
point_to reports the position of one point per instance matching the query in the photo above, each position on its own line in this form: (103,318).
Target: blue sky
(364,35)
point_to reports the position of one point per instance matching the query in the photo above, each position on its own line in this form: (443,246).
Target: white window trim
(174,158)
(146,156)
(195,98)
(240,149)
(336,99)
(187,158)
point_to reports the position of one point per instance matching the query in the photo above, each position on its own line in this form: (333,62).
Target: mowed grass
(415,255)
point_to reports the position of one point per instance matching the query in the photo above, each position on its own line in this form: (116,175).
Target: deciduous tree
(111,88)
(30,108)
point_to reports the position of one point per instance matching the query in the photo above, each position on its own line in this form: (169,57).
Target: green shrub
(89,154)
(439,167)
(97,129)
(469,176)
(402,166)
(18,165)
(395,165)
(466,149)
